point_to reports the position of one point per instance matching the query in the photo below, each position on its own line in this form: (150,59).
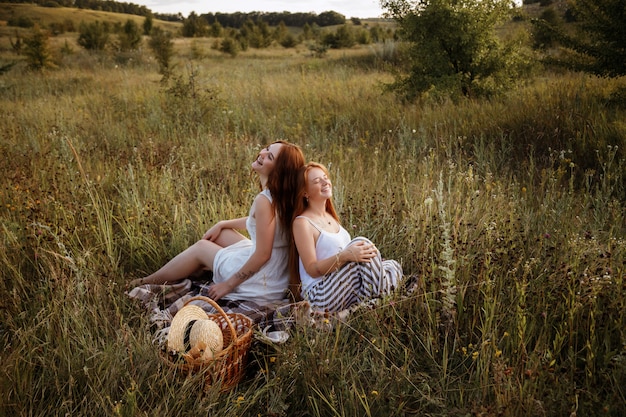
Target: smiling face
(318,185)
(266,160)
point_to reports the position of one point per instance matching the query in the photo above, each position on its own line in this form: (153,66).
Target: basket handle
(219,310)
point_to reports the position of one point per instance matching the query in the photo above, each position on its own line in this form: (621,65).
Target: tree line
(100,5)
(452,46)
(231,20)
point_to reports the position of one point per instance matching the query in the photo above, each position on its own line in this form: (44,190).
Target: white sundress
(271,281)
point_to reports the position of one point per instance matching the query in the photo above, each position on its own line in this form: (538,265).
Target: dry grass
(510,211)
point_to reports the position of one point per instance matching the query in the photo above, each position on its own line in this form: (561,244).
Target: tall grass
(510,212)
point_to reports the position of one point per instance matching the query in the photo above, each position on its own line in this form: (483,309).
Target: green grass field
(510,210)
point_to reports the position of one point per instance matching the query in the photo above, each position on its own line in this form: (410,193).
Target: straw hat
(206,336)
(176,335)
(191,329)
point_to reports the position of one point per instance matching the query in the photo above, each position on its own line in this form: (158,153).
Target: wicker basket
(228,365)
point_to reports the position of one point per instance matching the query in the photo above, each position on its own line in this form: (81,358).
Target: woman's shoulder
(303,219)
(262,202)
(265,193)
(305,223)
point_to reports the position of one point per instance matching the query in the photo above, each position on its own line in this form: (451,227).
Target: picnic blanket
(164,301)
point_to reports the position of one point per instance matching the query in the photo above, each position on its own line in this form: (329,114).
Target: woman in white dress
(247,269)
(335,271)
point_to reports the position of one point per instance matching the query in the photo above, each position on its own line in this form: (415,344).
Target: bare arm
(305,236)
(266,226)
(214,232)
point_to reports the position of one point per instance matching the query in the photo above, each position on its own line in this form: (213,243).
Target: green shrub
(93,36)
(130,37)
(229,46)
(163,48)
(37,50)
(21,21)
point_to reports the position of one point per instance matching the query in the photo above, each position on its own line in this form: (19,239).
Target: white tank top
(328,244)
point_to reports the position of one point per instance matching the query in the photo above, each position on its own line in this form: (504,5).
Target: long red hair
(282,180)
(300,205)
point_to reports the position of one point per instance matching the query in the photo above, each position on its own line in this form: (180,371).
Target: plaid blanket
(164,301)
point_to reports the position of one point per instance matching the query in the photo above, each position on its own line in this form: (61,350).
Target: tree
(37,50)
(93,36)
(216,29)
(161,44)
(148,24)
(330,18)
(598,42)
(195,26)
(543,35)
(343,37)
(454,47)
(130,37)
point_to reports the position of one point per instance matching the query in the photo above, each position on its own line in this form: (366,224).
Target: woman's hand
(358,252)
(213,233)
(217,291)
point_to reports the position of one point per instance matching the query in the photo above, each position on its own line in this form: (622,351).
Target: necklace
(323,222)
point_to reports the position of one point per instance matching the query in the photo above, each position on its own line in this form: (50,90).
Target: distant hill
(47,16)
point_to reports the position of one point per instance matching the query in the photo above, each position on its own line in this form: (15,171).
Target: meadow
(509,210)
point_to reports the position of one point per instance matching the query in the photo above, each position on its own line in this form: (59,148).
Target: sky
(348,8)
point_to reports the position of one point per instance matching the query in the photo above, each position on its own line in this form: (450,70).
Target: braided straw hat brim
(210,333)
(176,335)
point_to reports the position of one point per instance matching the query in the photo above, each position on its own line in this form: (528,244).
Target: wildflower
(475,355)
(428,202)
(498,353)
(273,359)
(374,393)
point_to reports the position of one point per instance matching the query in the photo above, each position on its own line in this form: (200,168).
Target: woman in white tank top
(246,269)
(335,271)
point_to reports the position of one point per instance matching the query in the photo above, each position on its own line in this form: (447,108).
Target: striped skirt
(354,282)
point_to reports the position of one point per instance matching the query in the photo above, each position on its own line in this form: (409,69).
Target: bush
(37,50)
(130,37)
(163,48)
(93,36)
(229,46)
(288,41)
(21,22)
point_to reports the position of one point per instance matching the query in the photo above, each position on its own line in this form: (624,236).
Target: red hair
(281,182)
(301,203)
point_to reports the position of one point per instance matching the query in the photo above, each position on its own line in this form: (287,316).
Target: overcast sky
(348,8)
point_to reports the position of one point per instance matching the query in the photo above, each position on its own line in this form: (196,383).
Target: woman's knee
(204,245)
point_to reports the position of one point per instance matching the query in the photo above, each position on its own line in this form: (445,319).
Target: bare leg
(228,237)
(198,256)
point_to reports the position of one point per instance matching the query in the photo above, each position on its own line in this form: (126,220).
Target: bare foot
(136,282)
